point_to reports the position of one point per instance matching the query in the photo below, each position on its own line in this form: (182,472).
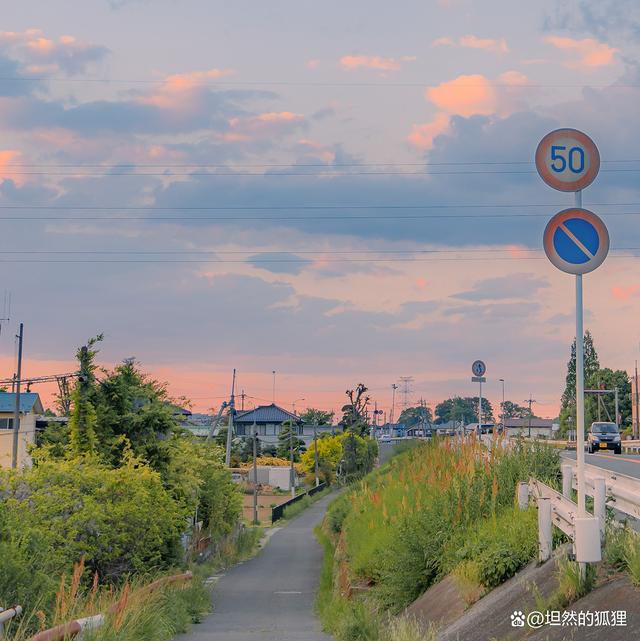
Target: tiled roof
(27,402)
(266,414)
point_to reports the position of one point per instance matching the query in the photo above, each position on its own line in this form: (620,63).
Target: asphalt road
(628,464)
(271,596)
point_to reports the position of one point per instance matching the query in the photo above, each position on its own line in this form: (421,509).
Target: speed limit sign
(567,159)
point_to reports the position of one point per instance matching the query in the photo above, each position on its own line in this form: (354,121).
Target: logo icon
(517,619)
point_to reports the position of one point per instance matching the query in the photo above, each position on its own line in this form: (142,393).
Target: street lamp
(294,404)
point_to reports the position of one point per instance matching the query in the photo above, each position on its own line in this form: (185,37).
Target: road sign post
(576,241)
(479,368)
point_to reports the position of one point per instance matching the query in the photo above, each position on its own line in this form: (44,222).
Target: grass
(143,616)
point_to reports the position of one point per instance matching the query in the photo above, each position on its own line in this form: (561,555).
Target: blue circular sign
(478,368)
(576,241)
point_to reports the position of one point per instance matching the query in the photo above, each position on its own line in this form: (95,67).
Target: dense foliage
(117,490)
(448,504)
(345,456)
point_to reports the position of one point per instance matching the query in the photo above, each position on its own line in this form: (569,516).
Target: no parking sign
(576,241)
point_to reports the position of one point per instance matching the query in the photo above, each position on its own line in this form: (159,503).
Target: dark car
(604,436)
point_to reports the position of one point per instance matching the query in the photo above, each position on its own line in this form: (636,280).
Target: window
(6,423)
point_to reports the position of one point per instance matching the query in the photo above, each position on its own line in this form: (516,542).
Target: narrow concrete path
(271,596)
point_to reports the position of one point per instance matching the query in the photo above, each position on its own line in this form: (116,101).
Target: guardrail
(78,626)
(563,510)
(277,512)
(7,615)
(622,491)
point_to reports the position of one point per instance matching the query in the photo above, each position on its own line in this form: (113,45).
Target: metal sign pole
(580,385)
(480,411)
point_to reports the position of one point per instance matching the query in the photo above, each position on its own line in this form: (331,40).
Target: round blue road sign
(576,241)
(478,368)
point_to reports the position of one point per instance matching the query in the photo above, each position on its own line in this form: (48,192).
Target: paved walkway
(271,596)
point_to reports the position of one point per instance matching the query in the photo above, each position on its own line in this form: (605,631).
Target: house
(268,420)
(30,408)
(540,427)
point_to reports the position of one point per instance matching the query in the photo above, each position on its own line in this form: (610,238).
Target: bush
(119,520)
(337,512)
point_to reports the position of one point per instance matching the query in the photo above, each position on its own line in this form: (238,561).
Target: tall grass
(133,613)
(401,522)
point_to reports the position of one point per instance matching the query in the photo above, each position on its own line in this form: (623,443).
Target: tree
(83,418)
(285,441)
(463,409)
(354,414)
(330,452)
(513,410)
(313,416)
(412,416)
(591,367)
(358,456)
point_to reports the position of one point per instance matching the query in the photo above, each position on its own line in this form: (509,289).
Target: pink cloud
(377,63)
(263,125)
(45,55)
(467,96)
(177,88)
(423,135)
(313,64)
(7,172)
(624,293)
(464,96)
(495,45)
(588,52)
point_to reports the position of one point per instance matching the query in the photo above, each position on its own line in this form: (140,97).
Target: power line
(316,83)
(311,218)
(293,174)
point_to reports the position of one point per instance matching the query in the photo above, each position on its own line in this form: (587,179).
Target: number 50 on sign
(567,159)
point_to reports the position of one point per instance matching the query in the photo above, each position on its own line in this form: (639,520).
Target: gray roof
(28,401)
(524,422)
(265,414)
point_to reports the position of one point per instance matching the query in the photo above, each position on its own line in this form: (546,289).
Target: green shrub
(337,512)
(615,547)
(120,521)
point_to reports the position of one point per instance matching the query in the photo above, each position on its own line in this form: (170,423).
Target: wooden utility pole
(16,413)
(530,401)
(255,472)
(232,404)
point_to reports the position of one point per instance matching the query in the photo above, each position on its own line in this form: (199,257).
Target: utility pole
(530,401)
(636,423)
(242,395)
(502,407)
(16,413)
(292,473)
(394,387)
(315,452)
(255,472)
(274,386)
(232,403)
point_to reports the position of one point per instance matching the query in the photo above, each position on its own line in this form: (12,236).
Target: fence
(608,489)
(277,512)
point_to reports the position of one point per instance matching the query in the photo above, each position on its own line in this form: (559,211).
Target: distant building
(540,427)
(30,407)
(393,429)
(269,420)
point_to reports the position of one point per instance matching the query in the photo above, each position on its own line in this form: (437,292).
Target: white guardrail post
(523,495)
(545,534)
(567,478)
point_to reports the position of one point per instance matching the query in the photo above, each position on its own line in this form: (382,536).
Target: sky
(337,192)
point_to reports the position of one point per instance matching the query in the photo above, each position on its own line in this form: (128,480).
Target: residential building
(540,427)
(269,419)
(30,408)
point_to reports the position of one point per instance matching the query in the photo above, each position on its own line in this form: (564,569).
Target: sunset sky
(370,168)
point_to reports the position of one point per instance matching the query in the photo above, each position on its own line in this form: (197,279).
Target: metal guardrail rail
(7,615)
(563,510)
(622,490)
(277,512)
